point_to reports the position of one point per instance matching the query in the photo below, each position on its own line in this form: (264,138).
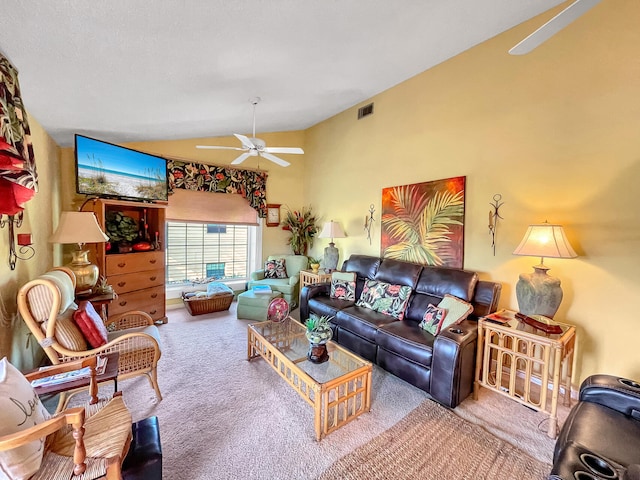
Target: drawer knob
(123,303)
(122,284)
(153,261)
(122,265)
(153,279)
(154,295)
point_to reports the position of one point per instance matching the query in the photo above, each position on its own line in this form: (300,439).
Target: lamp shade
(332,230)
(545,240)
(78,227)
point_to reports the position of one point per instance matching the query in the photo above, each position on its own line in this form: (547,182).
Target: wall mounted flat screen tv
(107,170)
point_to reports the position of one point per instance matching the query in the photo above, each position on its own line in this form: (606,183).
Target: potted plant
(318,333)
(121,230)
(314,263)
(302,225)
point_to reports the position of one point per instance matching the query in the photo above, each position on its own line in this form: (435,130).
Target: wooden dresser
(137,277)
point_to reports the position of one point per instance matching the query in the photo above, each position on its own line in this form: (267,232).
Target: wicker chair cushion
(41,298)
(149,330)
(90,324)
(67,333)
(20,408)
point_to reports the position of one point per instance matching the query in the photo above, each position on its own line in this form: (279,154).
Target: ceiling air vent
(364,111)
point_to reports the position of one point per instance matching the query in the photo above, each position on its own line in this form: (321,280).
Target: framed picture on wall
(273,214)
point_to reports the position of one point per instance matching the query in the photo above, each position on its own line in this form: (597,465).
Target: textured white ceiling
(129,70)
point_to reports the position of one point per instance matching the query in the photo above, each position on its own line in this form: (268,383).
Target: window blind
(208,207)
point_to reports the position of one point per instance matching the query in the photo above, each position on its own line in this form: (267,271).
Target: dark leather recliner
(444,365)
(601,437)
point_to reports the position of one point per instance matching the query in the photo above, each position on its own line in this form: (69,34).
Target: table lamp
(539,293)
(80,228)
(331,230)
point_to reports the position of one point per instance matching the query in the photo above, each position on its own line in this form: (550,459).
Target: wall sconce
(26,251)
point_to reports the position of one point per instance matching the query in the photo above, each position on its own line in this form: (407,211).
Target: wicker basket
(202,305)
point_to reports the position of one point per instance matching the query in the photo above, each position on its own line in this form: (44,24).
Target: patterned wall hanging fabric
(252,185)
(18,178)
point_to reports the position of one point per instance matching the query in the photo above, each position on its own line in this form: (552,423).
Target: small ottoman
(254,306)
(144,460)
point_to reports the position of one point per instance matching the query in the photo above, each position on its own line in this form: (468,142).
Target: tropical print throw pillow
(275,268)
(343,286)
(385,298)
(432,319)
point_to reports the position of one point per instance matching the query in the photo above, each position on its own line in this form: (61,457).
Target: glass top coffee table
(339,389)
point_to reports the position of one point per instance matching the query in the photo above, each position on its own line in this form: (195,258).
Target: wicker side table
(518,361)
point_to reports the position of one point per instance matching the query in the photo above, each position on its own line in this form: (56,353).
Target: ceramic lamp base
(331,255)
(538,293)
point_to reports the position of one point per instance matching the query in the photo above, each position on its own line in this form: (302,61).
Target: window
(197,251)
(215,270)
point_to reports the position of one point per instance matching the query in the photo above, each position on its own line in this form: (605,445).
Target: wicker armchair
(90,442)
(46,305)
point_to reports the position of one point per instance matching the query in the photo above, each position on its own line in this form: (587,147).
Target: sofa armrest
(617,393)
(294,279)
(257,275)
(310,291)
(453,363)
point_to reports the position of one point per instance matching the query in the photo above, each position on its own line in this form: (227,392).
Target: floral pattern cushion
(343,286)
(432,319)
(275,268)
(385,298)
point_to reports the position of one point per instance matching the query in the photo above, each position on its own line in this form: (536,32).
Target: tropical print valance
(18,178)
(251,184)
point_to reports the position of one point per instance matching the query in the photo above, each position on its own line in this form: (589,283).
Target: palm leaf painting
(424,222)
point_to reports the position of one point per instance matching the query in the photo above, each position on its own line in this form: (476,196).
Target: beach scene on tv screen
(105,169)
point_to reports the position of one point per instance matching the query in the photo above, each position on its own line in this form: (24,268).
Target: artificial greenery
(316,322)
(121,227)
(302,225)
(314,261)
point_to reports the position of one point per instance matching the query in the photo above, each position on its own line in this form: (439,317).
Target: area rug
(433,443)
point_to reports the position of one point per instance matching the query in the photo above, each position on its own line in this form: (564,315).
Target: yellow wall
(283,184)
(39,216)
(555,132)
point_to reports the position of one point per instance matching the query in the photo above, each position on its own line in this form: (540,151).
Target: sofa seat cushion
(407,339)
(328,306)
(604,431)
(278,284)
(362,321)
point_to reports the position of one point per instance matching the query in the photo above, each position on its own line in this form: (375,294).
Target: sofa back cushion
(397,272)
(436,282)
(365,268)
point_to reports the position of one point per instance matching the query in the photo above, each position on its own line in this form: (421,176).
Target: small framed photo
(273,214)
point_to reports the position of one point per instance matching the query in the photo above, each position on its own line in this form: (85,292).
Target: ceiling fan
(255,146)
(553,26)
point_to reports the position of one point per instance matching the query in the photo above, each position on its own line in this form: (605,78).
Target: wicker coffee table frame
(345,392)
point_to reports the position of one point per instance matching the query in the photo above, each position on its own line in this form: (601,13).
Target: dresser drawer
(133,262)
(136,281)
(147,300)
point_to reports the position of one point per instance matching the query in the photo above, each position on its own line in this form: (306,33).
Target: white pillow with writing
(20,408)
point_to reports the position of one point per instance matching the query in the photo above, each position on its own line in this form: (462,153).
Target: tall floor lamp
(331,230)
(80,228)
(539,293)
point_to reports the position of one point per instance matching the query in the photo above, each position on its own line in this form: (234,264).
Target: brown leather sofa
(443,365)
(601,437)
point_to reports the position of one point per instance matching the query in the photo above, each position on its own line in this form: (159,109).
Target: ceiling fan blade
(245,141)
(293,150)
(553,26)
(275,159)
(215,147)
(241,158)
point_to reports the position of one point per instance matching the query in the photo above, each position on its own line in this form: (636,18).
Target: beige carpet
(433,443)
(223,417)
